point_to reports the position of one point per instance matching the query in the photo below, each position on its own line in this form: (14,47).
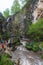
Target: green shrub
(5,60)
(35,48)
(6,35)
(17,41)
(36,30)
(32,46)
(28,46)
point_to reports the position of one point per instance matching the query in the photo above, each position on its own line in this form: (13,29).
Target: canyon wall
(38,11)
(29,14)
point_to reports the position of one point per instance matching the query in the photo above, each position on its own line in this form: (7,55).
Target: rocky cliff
(38,11)
(30,13)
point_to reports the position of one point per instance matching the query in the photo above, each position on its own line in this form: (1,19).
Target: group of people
(3,45)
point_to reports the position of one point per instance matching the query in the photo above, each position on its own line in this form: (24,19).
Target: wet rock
(26,57)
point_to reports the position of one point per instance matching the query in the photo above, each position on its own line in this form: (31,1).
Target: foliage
(15,7)
(3,32)
(6,35)
(28,46)
(36,30)
(41,56)
(5,60)
(2,22)
(41,45)
(1,17)
(17,41)
(28,16)
(35,47)
(17,33)
(6,13)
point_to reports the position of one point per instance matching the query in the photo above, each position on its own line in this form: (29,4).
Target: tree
(2,19)
(6,13)
(15,7)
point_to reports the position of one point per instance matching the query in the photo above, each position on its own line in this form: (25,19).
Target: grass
(5,60)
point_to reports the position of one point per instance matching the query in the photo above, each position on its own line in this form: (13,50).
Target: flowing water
(25,56)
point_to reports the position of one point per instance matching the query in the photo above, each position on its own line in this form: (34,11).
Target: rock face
(30,13)
(38,11)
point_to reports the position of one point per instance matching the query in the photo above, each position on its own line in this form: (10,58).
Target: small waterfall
(38,9)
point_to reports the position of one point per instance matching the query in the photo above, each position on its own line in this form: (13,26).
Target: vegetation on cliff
(36,30)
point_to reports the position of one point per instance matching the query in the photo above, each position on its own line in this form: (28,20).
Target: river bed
(25,56)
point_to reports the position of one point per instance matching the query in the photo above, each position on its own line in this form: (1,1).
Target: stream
(25,56)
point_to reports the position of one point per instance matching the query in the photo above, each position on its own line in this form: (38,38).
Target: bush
(6,35)
(5,60)
(17,41)
(36,30)
(35,48)
(28,46)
